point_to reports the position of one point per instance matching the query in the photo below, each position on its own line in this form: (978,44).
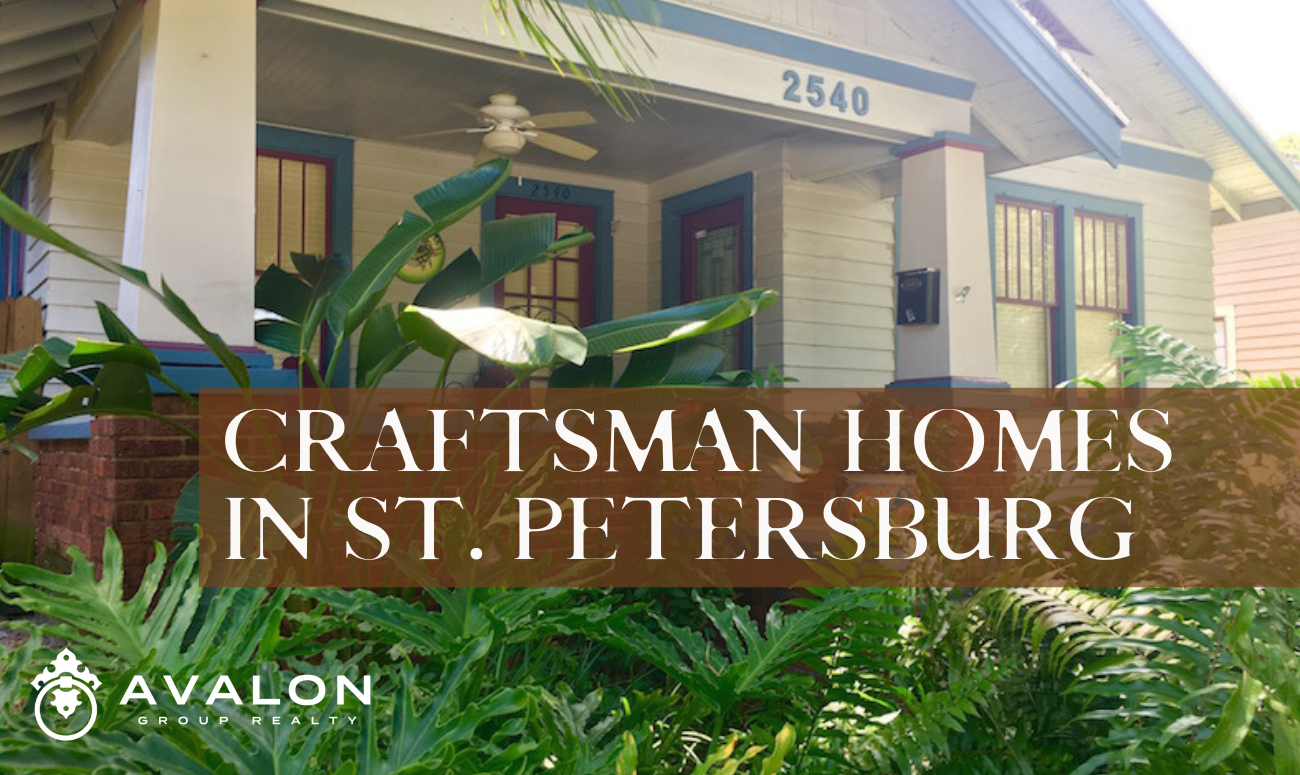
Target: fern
(1149,353)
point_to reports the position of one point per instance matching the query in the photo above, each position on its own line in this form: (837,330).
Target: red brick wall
(126,476)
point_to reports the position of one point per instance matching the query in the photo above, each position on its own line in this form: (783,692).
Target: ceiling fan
(507,127)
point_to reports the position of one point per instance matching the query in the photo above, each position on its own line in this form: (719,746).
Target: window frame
(287,143)
(13,243)
(1067,204)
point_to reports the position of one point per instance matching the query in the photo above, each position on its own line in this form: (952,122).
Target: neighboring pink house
(1257,294)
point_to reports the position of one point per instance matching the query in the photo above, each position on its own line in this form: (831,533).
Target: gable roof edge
(1057,77)
(1193,75)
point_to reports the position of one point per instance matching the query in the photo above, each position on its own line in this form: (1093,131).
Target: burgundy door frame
(710,217)
(730,213)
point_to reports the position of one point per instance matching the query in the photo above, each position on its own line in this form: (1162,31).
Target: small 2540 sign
(818,93)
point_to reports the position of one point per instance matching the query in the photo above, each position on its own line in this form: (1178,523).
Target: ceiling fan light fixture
(504,142)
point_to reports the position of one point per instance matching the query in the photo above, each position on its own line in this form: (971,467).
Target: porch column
(190,206)
(944,225)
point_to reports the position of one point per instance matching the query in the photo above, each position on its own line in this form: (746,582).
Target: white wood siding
(839,296)
(1177,250)
(79,188)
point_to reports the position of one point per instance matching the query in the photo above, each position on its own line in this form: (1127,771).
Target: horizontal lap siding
(79,188)
(1257,273)
(839,300)
(1177,245)
(387,176)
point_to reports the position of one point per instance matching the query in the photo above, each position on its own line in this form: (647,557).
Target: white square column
(190,211)
(945,226)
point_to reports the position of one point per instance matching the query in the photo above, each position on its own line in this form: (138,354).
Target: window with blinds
(1101,291)
(1025,240)
(293,216)
(292,207)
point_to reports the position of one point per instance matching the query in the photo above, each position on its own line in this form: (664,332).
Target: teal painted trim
(63,430)
(1054,196)
(733,32)
(1211,96)
(943,139)
(1043,65)
(197,369)
(1065,326)
(339,151)
(898,264)
(673,209)
(1169,162)
(1064,330)
(599,199)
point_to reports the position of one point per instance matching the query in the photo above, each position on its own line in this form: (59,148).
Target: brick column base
(126,476)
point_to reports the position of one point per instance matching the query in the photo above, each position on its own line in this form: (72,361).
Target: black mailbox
(918,297)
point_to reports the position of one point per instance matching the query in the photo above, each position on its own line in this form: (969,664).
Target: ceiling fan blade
(437,133)
(562,145)
(484,156)
(467,109)
(561,120)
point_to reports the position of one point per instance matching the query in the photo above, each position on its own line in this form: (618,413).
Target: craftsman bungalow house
(1059,162)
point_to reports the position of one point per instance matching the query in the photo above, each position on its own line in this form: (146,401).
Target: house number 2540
(814,90)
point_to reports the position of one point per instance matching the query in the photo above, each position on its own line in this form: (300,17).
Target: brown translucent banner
(750,488)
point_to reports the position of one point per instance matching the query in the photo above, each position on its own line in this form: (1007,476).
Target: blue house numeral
(814,90)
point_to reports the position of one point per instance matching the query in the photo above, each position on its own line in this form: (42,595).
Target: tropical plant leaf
(520,343)
(456,281)
(685,363)
(445,204)
(674,324)
(382,347)
(511,244)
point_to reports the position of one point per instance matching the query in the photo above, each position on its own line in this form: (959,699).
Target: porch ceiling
(43,48)
(319,77)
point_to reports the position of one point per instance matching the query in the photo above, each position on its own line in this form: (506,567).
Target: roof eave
(1055,76)
(1211,96)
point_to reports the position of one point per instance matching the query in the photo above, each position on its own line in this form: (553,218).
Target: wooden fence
(20,327)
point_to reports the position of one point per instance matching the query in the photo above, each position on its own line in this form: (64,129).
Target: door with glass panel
(293,215)
(560,290)
(563,289)
(713,265)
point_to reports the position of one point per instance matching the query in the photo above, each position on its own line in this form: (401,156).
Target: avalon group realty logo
(62,686)
(66,708)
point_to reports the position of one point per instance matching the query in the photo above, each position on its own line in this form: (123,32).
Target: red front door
(713,264)
(563,289)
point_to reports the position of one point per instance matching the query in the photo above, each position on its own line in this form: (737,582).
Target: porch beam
(106,75)
(28,18)
(821,159)
(1230,205)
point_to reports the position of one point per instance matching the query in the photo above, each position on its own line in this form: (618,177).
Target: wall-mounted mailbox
(918,297)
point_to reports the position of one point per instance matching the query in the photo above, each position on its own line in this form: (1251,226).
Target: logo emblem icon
(62,686)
